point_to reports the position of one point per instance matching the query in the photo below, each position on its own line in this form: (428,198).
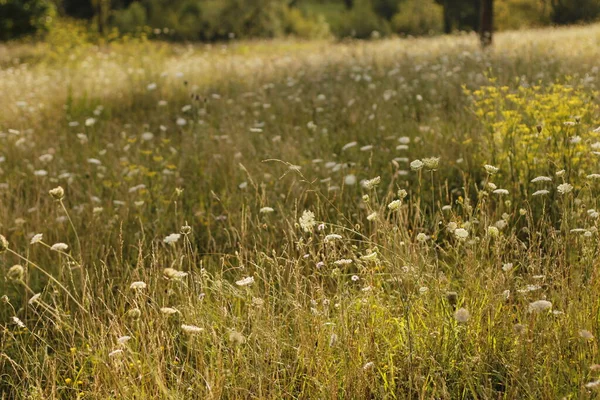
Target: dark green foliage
(361,22)
(573,11)
(130,19)
(460,14)
(385,8)
(24,17)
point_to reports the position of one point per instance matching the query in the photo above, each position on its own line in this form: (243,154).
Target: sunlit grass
(392,219)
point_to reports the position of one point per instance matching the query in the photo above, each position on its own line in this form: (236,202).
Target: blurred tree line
(210,20)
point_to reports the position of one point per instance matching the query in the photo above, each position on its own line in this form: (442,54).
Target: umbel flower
(462,315)
(490,169)
(15,273)
(416,165)
(307,221)
(564,188)
(431,163)
(539,306)
(57,193)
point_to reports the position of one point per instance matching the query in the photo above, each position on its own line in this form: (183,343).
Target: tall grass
(301,219)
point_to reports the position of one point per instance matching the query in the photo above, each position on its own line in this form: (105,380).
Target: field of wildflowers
(394,219)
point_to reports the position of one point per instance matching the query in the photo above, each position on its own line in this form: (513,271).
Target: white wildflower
(18,322)
(37,238)
(462,315)
(431,163)
(541,179)
(123,339)
(371,183)
(172,238)
(540,192)
(59,247)
(115,353)
(395,204)
(539,306)
(34,298)
(564,188)
(307,221)
(416,165)
(191,329)
(172,273)
(245,281)
(461,233)
(490,169)
(421,237)
(138,285)
(331,237)
(57,193)
(586,335)
(350,180)
(493,231)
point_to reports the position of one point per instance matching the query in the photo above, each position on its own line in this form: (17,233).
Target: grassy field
(394,219)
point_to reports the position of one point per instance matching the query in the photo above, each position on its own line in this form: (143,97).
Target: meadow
(393,219)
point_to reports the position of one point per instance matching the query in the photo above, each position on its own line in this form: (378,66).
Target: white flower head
(539,306)
(59,247)
(307,221)
(18,322)
(169,310)
(331,237)
(541,179)
(138,285)
(172,273)
(191,329)
(57,193)
(350,180)
(493,231)
(416,165)
(462,315)
(395,204)
(490,169)
(245,281)
(172,238)
(123,339)
(431,163)
(461,233)
(371,183)
(36,238)
(564,188)
(34,298)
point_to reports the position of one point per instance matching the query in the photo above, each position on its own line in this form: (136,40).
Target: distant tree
(385,8)
(573,11)
(486,26)
(24,17)
(78,8)
(101,12)
(460,14)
